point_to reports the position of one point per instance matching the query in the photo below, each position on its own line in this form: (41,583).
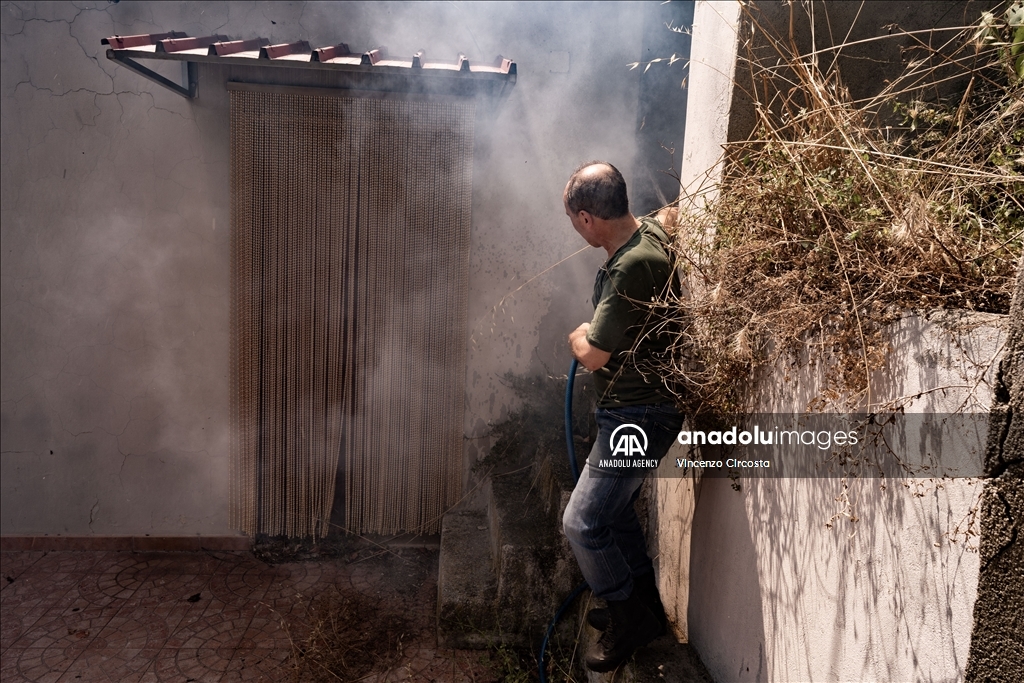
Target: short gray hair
(602,195)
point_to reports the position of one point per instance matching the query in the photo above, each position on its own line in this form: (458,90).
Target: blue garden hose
(569,444)
(551,627)
(571,447)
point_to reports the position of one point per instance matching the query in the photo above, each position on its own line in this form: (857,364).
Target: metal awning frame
(178,47)
(190,74)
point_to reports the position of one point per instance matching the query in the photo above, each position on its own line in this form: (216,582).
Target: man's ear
(585,217)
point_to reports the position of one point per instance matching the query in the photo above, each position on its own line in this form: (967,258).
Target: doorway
(351,227)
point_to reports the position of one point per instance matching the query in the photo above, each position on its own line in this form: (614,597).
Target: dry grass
(350,638)
(829,225)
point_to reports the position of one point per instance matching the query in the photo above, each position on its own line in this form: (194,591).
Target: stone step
(467,585)
(505,569)
(663,661)
(535,567)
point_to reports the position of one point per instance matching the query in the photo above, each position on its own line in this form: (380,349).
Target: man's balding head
(598,188)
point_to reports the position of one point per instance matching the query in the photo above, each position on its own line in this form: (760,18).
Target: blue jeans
(600,521)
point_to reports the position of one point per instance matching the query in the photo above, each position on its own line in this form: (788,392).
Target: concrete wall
(858,579)
(712,65)
(872,61)
(114,369)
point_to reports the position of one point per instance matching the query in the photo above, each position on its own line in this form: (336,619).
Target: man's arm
(592,357)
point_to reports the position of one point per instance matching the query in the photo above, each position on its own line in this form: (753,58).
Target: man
(600,521)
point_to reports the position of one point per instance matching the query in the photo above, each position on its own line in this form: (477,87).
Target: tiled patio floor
(213,616)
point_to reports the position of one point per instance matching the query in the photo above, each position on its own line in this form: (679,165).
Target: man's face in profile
(579,223)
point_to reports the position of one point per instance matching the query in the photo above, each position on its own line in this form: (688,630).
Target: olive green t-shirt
(625,324)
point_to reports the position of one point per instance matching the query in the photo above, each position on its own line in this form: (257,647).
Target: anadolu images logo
(628,440)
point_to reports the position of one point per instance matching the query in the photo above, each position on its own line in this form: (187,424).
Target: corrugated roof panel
(126,42)
(297,50)
(234,47)
(177,45)
(372,57)
(326,54)
(188,44)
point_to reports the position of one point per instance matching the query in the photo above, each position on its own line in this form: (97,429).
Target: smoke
(116,288)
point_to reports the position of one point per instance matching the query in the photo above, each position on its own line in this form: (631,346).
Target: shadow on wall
(951,369)
(848,593)
(837,595)
(861,578)
(864,579)
(723,563)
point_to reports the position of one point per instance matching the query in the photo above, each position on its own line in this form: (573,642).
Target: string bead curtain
(351,225)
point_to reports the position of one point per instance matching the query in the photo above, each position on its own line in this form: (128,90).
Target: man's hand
(592,357)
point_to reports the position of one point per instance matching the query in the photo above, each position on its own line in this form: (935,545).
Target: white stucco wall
(847,580)
(114,371)
(712,64)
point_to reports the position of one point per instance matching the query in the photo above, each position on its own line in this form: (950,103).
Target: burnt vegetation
(348,637)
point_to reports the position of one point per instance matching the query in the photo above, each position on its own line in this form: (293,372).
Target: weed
(349,637)
(828,225)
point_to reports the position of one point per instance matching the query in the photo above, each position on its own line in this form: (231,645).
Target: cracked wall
(115,344)
(114,372)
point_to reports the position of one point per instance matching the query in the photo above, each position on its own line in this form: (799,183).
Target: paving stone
(148,617)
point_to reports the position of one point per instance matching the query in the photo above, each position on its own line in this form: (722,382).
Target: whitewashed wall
(847,580)
(114,371)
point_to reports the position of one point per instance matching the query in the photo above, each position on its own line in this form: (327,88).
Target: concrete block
(466,583)
(535,567)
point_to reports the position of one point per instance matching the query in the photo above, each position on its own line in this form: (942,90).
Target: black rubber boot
(598,618)
(631,625)
(645,588)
